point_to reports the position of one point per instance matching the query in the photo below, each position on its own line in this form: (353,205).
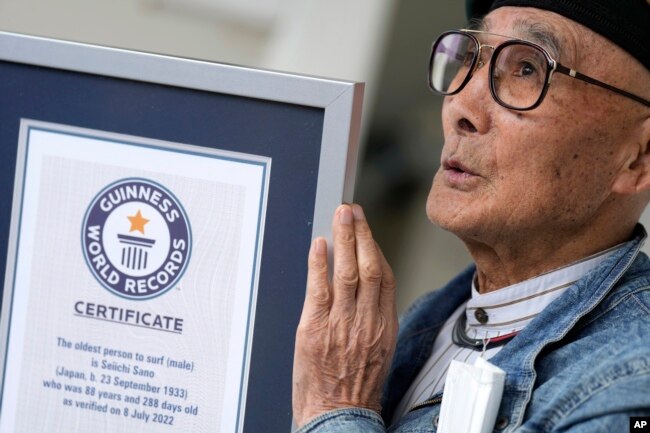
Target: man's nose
(470,109)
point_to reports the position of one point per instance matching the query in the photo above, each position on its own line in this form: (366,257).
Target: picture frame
(151,113)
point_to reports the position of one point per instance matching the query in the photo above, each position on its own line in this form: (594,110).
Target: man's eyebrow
(539,33)
(477,24)
(533,31)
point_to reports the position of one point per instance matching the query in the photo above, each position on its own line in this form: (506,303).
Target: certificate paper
(133,267)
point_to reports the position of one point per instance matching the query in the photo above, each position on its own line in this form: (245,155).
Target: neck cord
(460,338)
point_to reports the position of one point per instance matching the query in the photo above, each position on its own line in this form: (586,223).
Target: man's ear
(634,177)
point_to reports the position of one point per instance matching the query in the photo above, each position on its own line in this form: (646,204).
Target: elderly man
(545,172)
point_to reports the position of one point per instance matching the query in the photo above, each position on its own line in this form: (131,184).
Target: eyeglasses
(520,71)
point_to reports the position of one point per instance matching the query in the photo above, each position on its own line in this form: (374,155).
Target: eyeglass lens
(452,58)
(518,70)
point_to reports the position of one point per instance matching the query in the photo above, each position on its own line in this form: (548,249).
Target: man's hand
(346,336)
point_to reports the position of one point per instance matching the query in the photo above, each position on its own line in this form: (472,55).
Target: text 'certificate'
(133,267)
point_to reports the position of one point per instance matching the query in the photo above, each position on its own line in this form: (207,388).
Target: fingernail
(345,215)
(319,246)
(358,212)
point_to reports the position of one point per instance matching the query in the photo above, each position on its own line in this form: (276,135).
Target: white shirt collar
(511,308)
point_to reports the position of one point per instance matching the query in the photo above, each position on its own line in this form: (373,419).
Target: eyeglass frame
(552,66)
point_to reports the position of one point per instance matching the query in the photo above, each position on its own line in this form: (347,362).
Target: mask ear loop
(486,341)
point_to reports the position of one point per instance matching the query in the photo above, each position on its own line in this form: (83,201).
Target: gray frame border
(340,100)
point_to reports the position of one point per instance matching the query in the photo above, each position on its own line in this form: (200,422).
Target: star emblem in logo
(137,222)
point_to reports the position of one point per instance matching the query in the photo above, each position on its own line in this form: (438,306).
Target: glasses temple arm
(575,74)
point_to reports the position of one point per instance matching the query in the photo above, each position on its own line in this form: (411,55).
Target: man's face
(511,176)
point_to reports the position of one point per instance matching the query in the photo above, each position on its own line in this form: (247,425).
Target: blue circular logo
(136,238)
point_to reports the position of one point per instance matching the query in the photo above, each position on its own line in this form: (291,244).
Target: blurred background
(384,43)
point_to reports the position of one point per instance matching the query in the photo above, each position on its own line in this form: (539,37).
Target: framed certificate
(156,221)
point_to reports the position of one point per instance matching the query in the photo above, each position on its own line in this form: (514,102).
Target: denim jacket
(581,366)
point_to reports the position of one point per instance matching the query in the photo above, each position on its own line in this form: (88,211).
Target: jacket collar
(553,324)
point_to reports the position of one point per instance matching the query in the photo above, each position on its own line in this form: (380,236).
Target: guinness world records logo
(136,238)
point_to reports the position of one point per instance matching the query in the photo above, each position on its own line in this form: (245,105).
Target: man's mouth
(456,167)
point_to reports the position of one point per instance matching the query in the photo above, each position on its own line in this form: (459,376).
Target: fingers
(387,305)
(317,301)
(369,266)
(345,277)
(362,281)
(362,276)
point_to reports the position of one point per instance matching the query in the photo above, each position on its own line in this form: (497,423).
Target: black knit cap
(624,22)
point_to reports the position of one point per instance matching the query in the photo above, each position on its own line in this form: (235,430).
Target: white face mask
(472,396)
